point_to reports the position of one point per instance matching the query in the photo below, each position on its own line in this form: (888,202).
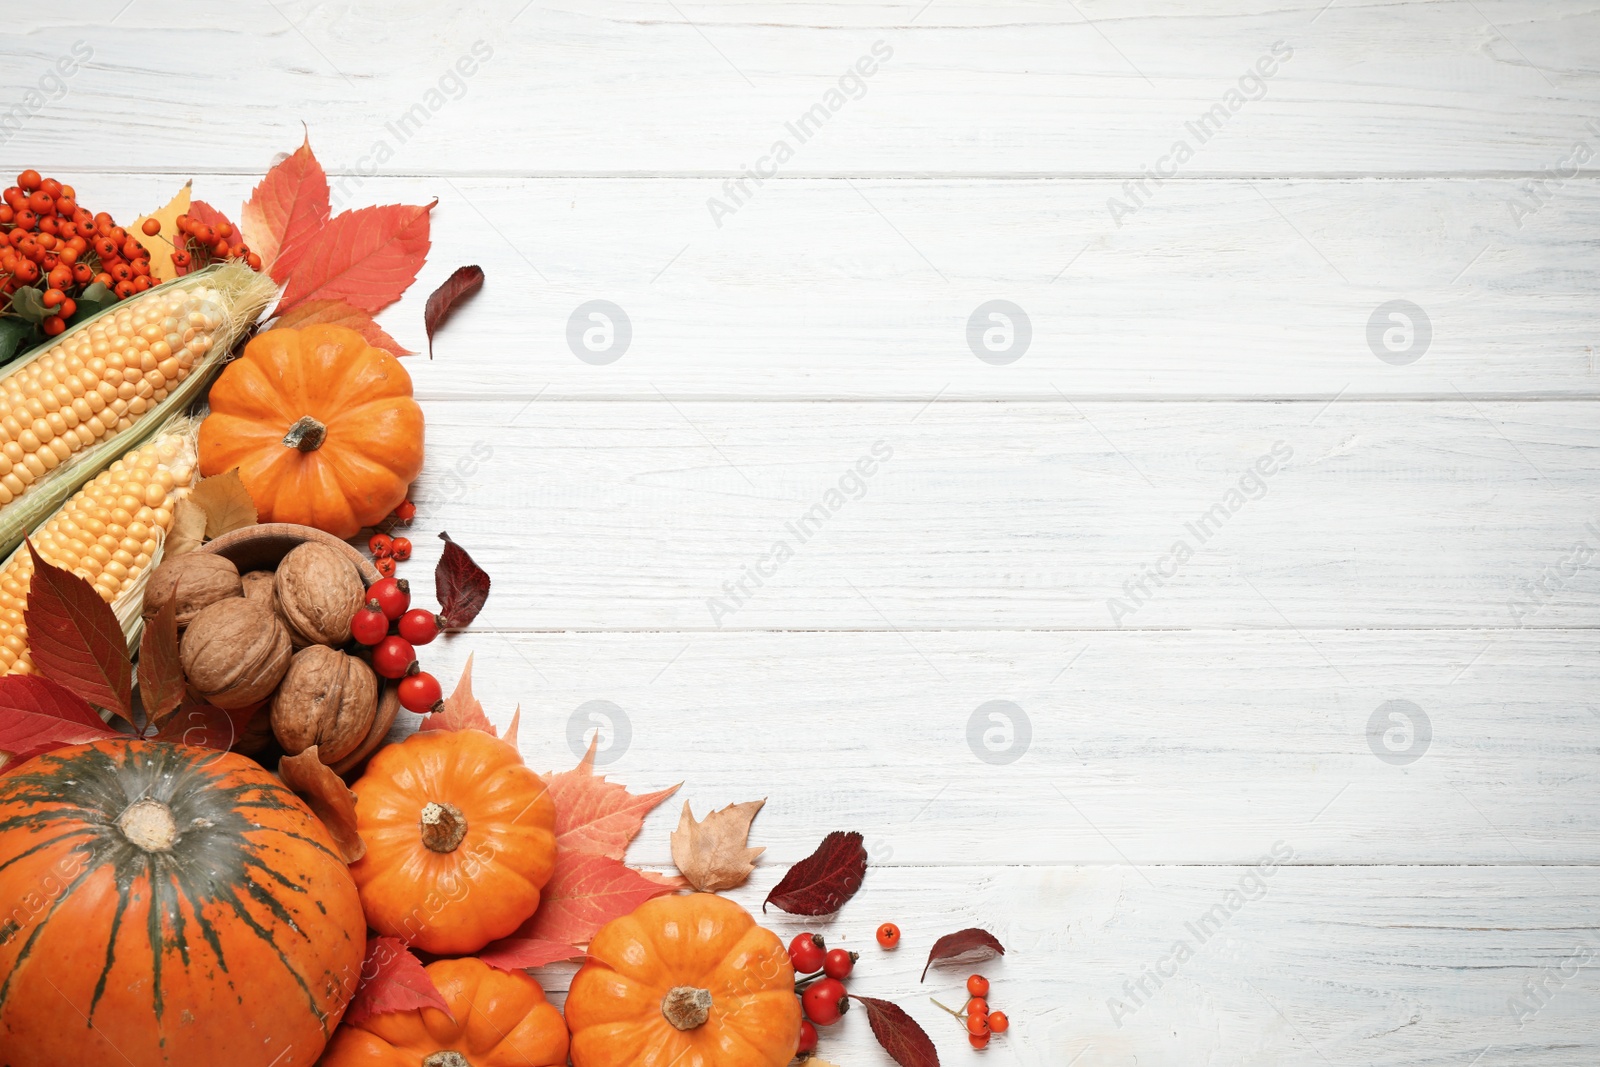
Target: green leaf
(28,302)
(95,299)
(15,336)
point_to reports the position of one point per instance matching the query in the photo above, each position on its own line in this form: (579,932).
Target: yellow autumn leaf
(160,246)
(226,502)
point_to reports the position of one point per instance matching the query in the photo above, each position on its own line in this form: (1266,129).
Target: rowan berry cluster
(198,244)
(49,244)
(392,628)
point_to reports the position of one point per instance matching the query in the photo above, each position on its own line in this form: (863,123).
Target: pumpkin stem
(443,827)
(149,825)
(686,1007)
(306,434)
(446,1059)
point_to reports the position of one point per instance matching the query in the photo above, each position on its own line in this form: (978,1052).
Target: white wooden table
(1429,532)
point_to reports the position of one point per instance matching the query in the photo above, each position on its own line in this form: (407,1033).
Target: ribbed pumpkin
(169,906)
(684,980)
(321,426)
(496,1019)
(460,839)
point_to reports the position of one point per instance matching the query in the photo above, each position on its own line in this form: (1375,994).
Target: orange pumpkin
(684,980)
(496,1019)
(321,426)
(460,840)
(168,906)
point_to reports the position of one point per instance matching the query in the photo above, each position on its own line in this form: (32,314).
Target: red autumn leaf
(203,725)
(452,294)
(586,892)
(962,943)
(200,211)
(366,257)
(902,1038)
(328,798)
(461,709)
(594,815)
(161,682)
(821,883)
(75,639)
(338,313)
(459,584)
(392,979)
(286,209)
(37,715)
(517,953)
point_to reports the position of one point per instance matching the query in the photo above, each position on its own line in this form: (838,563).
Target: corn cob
(106,384)
(109,534)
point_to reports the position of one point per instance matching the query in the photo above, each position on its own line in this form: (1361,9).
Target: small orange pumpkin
(166,906)
(496,1019)
(684,980)
(321,426)
(460,840)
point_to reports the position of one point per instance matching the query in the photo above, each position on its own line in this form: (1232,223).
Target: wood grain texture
(640,87)
(1026,516)
(1142,747)
(829,289)
(1407,966)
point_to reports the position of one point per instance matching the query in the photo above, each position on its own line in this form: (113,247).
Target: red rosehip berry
(421,693)
(825,1001)
(807,952)
(838,963)
(808,1036)
(393,596)
(393,656)
(370,625)
(419,626)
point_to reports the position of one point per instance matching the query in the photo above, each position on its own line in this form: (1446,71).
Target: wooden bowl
(262,547)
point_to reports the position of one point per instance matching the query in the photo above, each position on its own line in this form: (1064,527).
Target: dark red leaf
(517,953)
(200,211)
(906,1042)
(286,210)
(328,798)
(967,942)
(37,715)
(449,296)
(821,883)
(392,979)
(75,639)
(366,257)
(161,682)
(460,585)
(203,725)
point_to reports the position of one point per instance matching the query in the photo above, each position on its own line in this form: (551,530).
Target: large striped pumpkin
(164,905)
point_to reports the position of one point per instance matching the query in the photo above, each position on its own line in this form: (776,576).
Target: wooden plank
(1403,966)
(1019,516)
(1142,747)
(1217,290)
(632,86)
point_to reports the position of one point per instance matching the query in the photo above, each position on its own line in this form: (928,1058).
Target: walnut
(327,699)
(235,652)
(193,581)
(259,585)
(319,590)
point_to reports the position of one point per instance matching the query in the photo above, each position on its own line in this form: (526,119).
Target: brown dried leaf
(161,682)
(188,530)
(442,303)
(327,796)
(713,854)
(226,502)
